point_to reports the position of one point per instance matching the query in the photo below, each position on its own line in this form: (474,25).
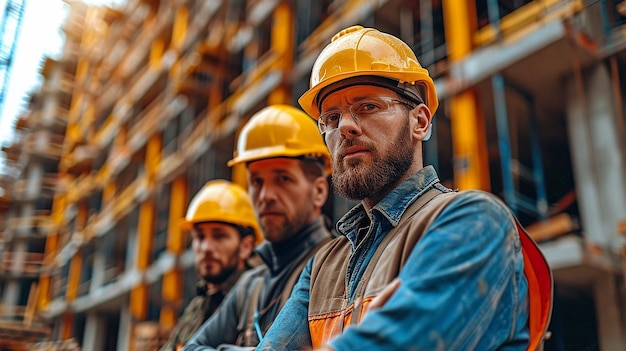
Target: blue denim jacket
(463,286)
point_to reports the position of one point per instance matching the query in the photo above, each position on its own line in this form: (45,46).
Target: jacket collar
(392,206)
(278,255)
(224,287)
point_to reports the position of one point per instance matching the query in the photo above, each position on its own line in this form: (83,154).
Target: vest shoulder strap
(296,273)
(412,210)
(253,299)
(246,318)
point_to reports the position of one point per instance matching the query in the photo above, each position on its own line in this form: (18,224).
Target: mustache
(269,208)
(208,257)
(347,143)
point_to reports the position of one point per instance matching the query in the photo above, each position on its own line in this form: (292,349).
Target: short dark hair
(313,167)
(244,231)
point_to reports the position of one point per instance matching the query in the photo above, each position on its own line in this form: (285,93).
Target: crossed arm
(462,288)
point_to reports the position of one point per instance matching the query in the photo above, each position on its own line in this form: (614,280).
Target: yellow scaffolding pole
(283,44)
(139,294)
(469,140)
(73,281)
(173,280)
(52,246)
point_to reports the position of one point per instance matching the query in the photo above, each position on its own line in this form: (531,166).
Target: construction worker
(223,231)
(457,269)
(287,165)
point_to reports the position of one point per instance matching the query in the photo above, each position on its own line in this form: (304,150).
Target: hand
(384,295)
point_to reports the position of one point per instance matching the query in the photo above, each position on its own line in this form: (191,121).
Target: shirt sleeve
(462,287)
(290,330)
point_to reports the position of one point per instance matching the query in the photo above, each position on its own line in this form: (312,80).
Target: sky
(40,36)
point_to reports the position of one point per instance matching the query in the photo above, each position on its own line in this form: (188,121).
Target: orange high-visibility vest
(328,317)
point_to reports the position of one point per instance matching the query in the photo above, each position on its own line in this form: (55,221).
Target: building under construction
(144,104)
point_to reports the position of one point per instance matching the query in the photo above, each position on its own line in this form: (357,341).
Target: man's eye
(220,236)
(368,107)
(332,117)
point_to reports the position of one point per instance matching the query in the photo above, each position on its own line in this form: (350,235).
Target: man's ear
(246,246)
(421,119)
(320,191)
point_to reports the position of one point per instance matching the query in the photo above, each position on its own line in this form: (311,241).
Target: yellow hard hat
(222,201)
(367,52)
(279,131)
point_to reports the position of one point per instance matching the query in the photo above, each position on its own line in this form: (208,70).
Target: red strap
(540,288)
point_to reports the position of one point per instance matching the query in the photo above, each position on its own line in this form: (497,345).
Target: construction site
(144,104)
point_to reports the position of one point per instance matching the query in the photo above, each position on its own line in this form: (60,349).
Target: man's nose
(348,124)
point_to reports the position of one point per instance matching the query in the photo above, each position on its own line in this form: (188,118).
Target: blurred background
(138,103)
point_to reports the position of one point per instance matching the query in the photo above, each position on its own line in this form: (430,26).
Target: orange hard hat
(280,131)
(366,53)
(222,201)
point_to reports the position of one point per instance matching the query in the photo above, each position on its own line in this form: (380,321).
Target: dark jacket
(200,308)
(233,324)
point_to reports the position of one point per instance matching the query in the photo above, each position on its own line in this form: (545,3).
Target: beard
(356,180)
(221,277)
(275,231)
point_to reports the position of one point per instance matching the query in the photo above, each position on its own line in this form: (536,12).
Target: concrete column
(597,155)
(606,299)
(98,270)
(131,241)
(20,249)
(34,180)
(94,327)
(124,333)
(9,300)
(50,103)
(12,289)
